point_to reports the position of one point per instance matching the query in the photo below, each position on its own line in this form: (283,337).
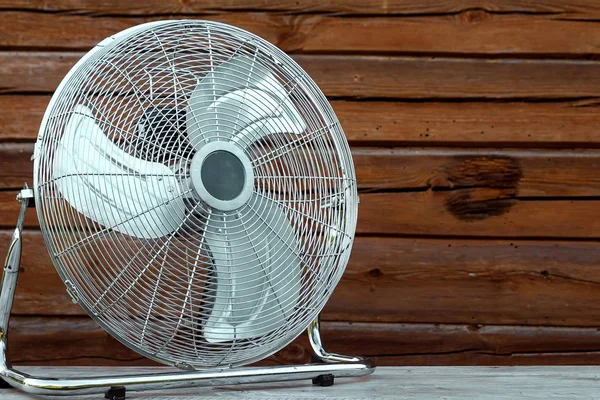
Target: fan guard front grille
(157,293)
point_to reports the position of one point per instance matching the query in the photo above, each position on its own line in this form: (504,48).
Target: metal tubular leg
(337,365)
(315,341)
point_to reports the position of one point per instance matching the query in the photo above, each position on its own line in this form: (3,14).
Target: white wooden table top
(415,383)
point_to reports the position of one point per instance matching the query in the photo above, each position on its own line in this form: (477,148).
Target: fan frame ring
(338,148)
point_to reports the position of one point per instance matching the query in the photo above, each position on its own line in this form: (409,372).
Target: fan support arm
(321,373)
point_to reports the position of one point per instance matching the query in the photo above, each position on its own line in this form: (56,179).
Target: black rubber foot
(115,393)
(3,384)
(324,380)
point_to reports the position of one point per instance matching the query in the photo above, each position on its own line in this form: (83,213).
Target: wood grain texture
(471,31)
(15,164)
(79,341)
(373,76)
(478,212)
(574,8)
(519,124)
(412,280)
(469,281)
(21,117)
(446,192)
(473,126)
(517,173)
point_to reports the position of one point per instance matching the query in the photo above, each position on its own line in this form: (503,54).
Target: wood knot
(375,273)
(295,31)
(474,16)
(482,186)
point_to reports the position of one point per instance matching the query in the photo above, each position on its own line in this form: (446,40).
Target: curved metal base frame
(333,364)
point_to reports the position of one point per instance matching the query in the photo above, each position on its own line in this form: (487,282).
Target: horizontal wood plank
(9,209)
(472,124)
(469,32)
(33,71)
(568,124)
(411,280)
(469,281)
(15,164)
(517,173)
(21,117)
(580,8)
(451,78)
(478,212)
(466,195)
(373,76)
(447,192)
(79,341)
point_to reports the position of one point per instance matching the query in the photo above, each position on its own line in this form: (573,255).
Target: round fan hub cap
(222,175)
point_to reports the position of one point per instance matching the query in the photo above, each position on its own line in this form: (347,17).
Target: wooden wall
(474,129)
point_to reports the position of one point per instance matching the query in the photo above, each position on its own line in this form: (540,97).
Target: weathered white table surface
(413,383)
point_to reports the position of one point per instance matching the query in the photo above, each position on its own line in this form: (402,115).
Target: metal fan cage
(154,294)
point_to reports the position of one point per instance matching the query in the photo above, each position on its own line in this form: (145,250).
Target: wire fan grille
(171,275)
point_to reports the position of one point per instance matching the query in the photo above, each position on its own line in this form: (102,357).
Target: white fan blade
(258,272)
(265,127)
(237,94)
(104,183)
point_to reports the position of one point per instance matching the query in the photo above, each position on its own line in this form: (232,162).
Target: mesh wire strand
(155,295)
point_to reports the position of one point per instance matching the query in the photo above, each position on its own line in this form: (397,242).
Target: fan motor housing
(222,175)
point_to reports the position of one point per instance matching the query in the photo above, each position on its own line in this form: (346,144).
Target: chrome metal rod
(339,366)
(72,386)
(10,271)
(315,341)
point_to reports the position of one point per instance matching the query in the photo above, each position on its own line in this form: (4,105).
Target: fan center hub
(222,175)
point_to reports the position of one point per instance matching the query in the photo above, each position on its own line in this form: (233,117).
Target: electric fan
(197,197)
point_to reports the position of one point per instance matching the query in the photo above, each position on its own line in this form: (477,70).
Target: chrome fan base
(332,365)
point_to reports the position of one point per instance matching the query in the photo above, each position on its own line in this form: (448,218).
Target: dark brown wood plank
(472,31)
(34,71)
(21,117)
(514,173)
(66,341)
(403,7)
(440,344)
(477,212)
(9,209)
(15,164)
(566,124)
(411,280)
(79,341)
(518,173)
(40,290)
(444,192)
(469,281)
(451,78)
(373,76)
(518,124)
